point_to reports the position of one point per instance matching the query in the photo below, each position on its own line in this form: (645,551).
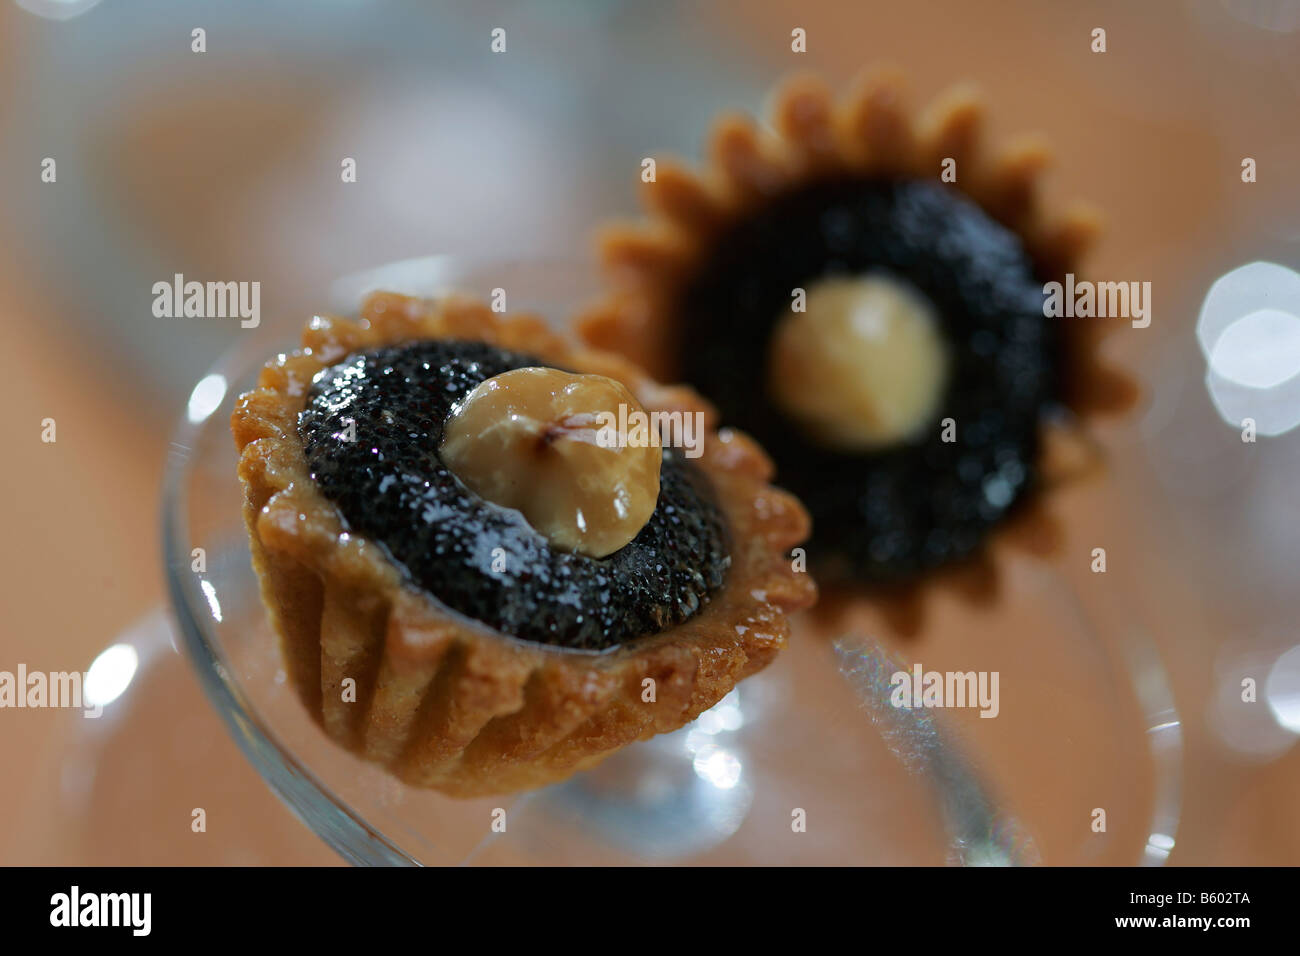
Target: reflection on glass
(667,798)
(214,605)
(1282,690)
(1249,332)
(207,397)
(110,675)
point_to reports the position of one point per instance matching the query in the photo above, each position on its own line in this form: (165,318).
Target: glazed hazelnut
(863,366)
(538,440)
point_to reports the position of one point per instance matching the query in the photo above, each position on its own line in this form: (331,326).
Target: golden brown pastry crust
(871,132)
(442,700)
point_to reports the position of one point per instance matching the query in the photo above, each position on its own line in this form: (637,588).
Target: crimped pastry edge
(441,700)
(812,135)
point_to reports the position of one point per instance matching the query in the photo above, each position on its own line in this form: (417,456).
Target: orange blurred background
(226,165)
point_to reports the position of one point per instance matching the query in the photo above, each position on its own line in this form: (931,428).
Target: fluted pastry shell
(442,700)
(811,136)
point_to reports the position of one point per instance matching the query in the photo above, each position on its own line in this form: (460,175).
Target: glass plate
(807,763)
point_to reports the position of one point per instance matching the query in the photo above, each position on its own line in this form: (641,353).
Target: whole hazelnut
(546,443)
(863,366)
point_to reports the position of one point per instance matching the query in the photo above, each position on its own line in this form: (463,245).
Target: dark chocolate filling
(890,514)
(390,485)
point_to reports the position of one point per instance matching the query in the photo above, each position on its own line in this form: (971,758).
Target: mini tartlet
(482,659)
(940,447)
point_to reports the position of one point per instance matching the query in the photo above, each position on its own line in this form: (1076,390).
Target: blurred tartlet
(432,629)
(878,327)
